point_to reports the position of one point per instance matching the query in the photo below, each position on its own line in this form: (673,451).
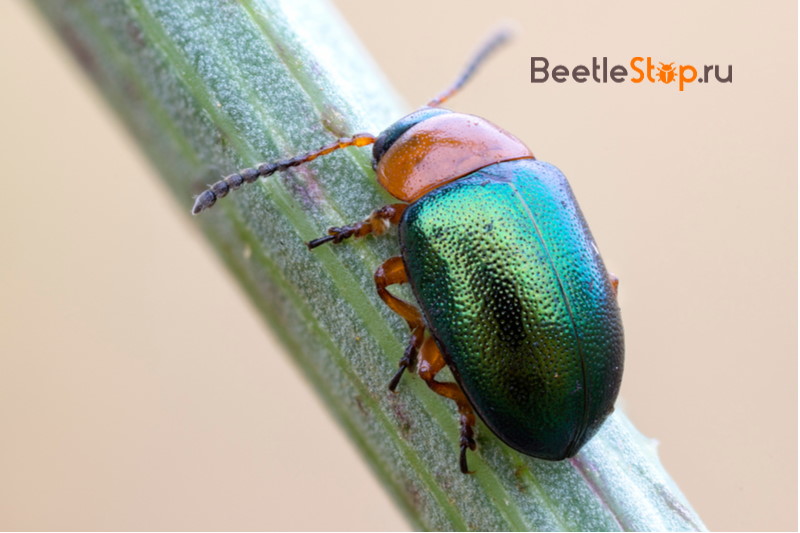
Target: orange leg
(431,362)
(393,272)
(377,223)
(614,282)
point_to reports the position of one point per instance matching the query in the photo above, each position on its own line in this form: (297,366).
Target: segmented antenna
(485,51)
(230,183)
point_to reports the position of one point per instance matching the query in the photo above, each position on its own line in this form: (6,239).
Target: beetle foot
(462,460)
(467,441)
(409,356)
(396,379)
(335,235)
(319,242)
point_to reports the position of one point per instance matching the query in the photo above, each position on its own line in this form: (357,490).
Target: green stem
(207,87)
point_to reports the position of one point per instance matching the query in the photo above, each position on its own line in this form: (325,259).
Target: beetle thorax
(440,149)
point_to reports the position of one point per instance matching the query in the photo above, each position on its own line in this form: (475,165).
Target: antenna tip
(506,30)
(203,201)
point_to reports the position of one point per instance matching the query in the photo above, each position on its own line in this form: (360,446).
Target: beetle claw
(396,379)
(467,442)
(462,460)
(409,356)
(317,242)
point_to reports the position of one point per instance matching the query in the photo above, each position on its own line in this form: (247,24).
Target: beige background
(119,410)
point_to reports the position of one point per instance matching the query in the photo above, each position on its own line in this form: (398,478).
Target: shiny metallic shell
(514,291)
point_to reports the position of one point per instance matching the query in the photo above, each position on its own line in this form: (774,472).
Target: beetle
(666,72)
(512,294)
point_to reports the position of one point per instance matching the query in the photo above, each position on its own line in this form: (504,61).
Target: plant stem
(207,87)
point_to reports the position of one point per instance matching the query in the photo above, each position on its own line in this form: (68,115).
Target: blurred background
(120,411)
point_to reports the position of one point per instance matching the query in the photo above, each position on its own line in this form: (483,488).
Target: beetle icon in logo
(666,73)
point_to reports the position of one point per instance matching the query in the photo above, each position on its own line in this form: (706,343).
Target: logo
(645,69)
(666,73)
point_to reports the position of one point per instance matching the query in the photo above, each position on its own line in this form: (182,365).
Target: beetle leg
(614,282)
(393,272)
(409,356)
(377,223)
(431,362)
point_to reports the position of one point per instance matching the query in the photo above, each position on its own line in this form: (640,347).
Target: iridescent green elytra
(516,295)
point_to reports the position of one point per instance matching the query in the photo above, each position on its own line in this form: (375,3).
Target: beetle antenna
(490,46)
(221,188)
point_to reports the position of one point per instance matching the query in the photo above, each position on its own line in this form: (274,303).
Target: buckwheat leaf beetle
(511,290)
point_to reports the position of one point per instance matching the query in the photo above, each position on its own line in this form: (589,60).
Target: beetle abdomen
(516,295)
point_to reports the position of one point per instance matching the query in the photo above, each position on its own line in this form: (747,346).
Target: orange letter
(685,79)
(650,69)
(637,69)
